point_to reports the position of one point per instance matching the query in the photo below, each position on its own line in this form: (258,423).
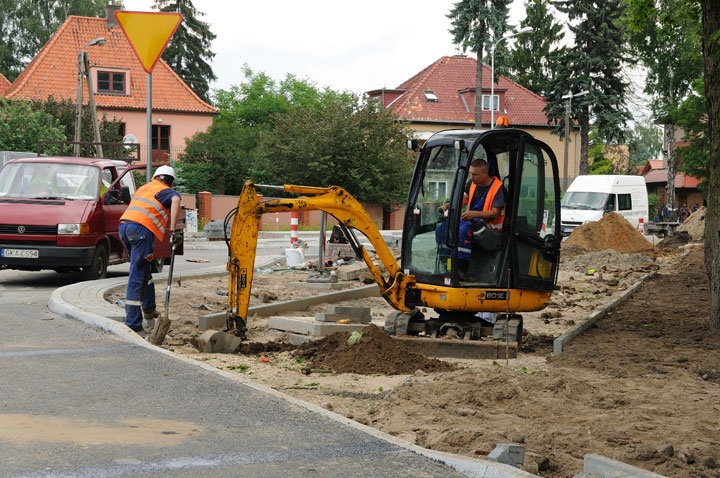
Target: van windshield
(34,180)
(584,200)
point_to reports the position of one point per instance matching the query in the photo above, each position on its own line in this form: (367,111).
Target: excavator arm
(335,201)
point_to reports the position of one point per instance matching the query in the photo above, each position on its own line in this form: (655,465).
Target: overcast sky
(356,46)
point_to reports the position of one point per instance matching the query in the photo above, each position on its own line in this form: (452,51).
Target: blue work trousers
(138,241)
(465,240)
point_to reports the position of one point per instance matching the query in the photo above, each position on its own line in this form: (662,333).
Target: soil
(695,224)
(641,386)
(611,232)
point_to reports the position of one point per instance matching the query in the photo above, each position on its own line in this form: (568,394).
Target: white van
(589,197)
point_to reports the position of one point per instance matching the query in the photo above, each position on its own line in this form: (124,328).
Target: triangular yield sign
(148,33)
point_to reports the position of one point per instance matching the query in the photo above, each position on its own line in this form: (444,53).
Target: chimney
(110,13)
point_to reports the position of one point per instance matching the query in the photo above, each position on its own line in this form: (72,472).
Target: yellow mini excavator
(511,270)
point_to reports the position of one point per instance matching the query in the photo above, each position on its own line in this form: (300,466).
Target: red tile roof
(450,77)
(53,71)
(681,179)
(4,84)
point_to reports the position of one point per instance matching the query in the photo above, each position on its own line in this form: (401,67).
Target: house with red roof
(442,96)
(687,193)
(119,83)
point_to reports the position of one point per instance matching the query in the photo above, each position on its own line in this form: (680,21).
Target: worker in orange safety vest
(154,209)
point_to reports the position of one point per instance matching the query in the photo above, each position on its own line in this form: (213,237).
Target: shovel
(162,323)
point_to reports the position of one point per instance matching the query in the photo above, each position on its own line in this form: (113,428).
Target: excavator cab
(522,255)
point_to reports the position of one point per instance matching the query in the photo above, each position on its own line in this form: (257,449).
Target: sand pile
(695,225)
(375,352)
(611,232)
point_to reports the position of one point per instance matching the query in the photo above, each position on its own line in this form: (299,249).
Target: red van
(62,213)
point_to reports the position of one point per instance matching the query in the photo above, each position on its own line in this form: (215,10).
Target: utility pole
(568,99)
(93,111)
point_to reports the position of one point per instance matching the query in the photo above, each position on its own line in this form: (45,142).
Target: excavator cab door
(535,223)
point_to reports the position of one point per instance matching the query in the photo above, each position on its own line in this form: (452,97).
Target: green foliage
(653,200)
(248,113)
(693,119)
(594,63)
(26,25)
(189,51)
(21,128)
(666,36)
(64,111)
(531,61)
(644,142)
(346,143)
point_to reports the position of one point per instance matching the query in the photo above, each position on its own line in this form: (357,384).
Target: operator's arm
(447,204)
(174,212)
(489,215)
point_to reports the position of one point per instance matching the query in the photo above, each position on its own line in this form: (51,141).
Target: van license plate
(22,253)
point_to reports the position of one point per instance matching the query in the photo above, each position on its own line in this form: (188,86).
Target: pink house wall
(181,126)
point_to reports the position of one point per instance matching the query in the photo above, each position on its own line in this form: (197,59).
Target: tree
(666,37)
(711,61)
(644,142)
(593,63)
(346,142)
(21,128)
(531,61)
(693,119)
(229,149)
(477,24)
(189,51)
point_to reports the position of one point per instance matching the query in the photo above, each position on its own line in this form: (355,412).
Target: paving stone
(214,321)
(327,317)
(508,454)
(322,285)
(308,326)
(351,271)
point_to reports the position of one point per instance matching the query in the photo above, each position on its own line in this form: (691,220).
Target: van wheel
(156,265)
(98,267)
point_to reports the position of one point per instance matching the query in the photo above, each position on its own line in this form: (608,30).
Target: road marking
(310,455)
(90,350)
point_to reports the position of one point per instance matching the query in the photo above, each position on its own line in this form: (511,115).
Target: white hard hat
(164,171)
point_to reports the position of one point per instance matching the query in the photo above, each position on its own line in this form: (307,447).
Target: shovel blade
(162,325)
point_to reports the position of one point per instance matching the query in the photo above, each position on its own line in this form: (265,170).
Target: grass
(242,368)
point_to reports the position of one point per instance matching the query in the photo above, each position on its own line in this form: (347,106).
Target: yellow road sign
(148,33)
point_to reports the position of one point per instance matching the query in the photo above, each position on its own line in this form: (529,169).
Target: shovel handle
(170,274)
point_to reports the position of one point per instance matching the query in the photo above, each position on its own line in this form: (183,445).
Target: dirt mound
(607,259)
(611,232)
(679,238)
(375,352)
(695,225)
(254,348)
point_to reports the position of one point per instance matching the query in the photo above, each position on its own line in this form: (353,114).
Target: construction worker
(154,208)
(485,199)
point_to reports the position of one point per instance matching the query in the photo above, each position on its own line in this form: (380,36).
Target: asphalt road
(75,401)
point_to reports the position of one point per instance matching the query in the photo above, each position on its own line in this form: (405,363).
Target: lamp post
(492,72)
(568,98)
(82,71)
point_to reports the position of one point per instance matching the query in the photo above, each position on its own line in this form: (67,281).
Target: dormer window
(430,95)
(111,82)
(486,102)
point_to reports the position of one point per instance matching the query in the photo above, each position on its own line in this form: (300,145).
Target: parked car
(63,213)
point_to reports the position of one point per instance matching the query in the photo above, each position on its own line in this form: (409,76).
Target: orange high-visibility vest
(489,198)
(145,210)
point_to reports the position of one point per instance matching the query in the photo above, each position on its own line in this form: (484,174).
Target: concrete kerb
(471,467)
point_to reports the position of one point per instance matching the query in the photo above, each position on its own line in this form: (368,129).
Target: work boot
(150,314)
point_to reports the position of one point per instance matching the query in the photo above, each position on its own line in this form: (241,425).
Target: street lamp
(568,98)
(492,72)
(83,70)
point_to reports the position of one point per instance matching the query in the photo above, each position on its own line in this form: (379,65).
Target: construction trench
(633,383)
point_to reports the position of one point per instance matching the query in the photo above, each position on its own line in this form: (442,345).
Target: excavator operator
(485,199)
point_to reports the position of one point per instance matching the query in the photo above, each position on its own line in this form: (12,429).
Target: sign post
(148,33)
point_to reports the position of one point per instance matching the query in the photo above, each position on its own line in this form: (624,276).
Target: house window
(437,189)
(486,102)
(112,82)
(624,202)
(430,95)
(161,137)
